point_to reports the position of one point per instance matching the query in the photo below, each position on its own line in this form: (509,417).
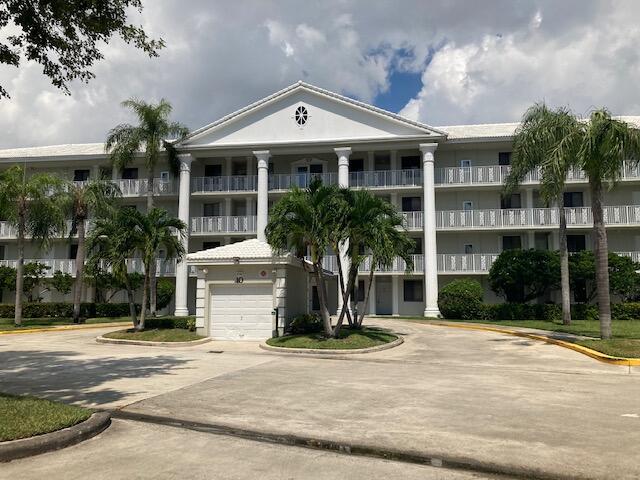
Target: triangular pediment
(329,118)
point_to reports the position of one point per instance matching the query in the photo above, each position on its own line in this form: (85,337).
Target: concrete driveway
(501,401)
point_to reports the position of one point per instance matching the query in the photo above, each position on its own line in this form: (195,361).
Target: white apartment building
(446,181)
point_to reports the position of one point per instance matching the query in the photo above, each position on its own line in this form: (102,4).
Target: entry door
(241,311)
(384,303)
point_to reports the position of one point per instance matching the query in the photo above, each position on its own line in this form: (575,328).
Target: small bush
(461,299)
(165,290)
(65,310)
(307,323)
(584,311)
(187,323)
(522,311)
(113,309)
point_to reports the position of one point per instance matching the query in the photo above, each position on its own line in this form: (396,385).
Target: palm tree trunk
(346,294)
(132,301)
(343,291)
(152,269)
(602,259)
(358,322)
(77,291)
(19,272)
(564,264)
(143,308)
(322,299)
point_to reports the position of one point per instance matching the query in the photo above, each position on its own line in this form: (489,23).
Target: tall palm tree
(149,138)
(94,197)
(548,140)
(157,230)
(387,241)
(305,221)
(34,207)
(607,144)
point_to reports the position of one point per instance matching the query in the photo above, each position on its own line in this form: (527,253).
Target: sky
(442,62)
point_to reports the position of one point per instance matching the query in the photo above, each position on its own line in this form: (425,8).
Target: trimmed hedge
(187,323)
(461,299)
(306,323)
(65,310)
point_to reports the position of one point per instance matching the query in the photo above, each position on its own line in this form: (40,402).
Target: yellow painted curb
(602,357)
(64,328)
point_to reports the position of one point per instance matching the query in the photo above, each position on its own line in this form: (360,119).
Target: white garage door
(241,311)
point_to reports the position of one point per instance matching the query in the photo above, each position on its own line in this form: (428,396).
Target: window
(382,161)
(410,163)
(315,168)
(411,204)
(467,205)
(576,243)
(573,199)
(73,251)
(360,290)
(239,168)
(130,174)
(510,201)
(80,175)
(511,242)
(413,291)
(356,165)
(164,176)
(301,115)
(208,245)
(213,170)
(211,210)
(1,252)
(504,158)
(271,169)
(465,163)
(468,249)
(315,300)
(417,246)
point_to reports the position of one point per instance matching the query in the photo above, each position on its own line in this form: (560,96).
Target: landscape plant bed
(31,323)
(24,416)
(625,342)
(155,335)
(348,340)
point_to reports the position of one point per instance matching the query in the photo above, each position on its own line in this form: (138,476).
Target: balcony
(386,179)
(223,224)
(163,268)
(226,184)
(138,187)
(525,218)
(412,220)
(280,182)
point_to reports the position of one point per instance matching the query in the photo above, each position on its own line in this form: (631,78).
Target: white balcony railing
(300,180)
(621,215)
(138,187)
(235,183)
(412,220)
(386,178)
(466,263)
(163,267)
(223,224)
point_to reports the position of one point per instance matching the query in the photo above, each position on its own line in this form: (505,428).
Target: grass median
(625,342)
(347,340)
(155,335)
(24,416)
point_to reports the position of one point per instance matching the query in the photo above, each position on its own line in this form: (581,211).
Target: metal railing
(235,183)
(138,187)
(386,178)
(300,180)
(412,220)
(223,224)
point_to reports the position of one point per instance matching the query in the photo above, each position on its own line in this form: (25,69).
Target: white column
(343,181)
(429,222)
(372,297)
(372,161)
(182,272)
(393,160)
(228,162)
(395,295)
(227,206)
(262,210)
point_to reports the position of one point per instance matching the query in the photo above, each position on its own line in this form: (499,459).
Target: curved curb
(329,351)
(363,449)
(65,328)
(602,357)
(28,447)
(120,341)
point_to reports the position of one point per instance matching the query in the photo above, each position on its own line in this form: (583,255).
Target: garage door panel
(241,312)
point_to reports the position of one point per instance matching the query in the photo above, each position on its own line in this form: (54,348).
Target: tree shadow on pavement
(69,377)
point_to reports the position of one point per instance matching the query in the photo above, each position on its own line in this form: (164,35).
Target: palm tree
(84,199)
(152,134)
(548,140)
(387,241)
(34,207)
(607,144)
(158,230)
(305,221)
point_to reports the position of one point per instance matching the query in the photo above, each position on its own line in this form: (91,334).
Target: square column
(429,224)
(343,182)
(182,271)
(395,295)
(262,209)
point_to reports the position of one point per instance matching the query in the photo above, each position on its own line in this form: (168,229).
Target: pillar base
(181,312)
(432,313)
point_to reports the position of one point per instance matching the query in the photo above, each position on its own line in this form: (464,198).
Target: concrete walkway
(516,404)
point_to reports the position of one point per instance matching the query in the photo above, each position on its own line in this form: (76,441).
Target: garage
(241,311)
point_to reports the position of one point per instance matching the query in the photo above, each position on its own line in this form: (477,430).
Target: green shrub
(165,289)
(113,309)
(584,311)
(522,311)
(307,323)
(461,299)
(187,323)
(65,310)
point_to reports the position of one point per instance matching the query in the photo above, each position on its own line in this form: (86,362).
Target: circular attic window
(301,115)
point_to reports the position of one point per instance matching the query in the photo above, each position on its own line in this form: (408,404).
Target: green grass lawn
(30,323)
(625,341)
(22,416)
(156,335)
(348,340)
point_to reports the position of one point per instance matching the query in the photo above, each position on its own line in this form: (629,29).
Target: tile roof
(68,150)
(247,249)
